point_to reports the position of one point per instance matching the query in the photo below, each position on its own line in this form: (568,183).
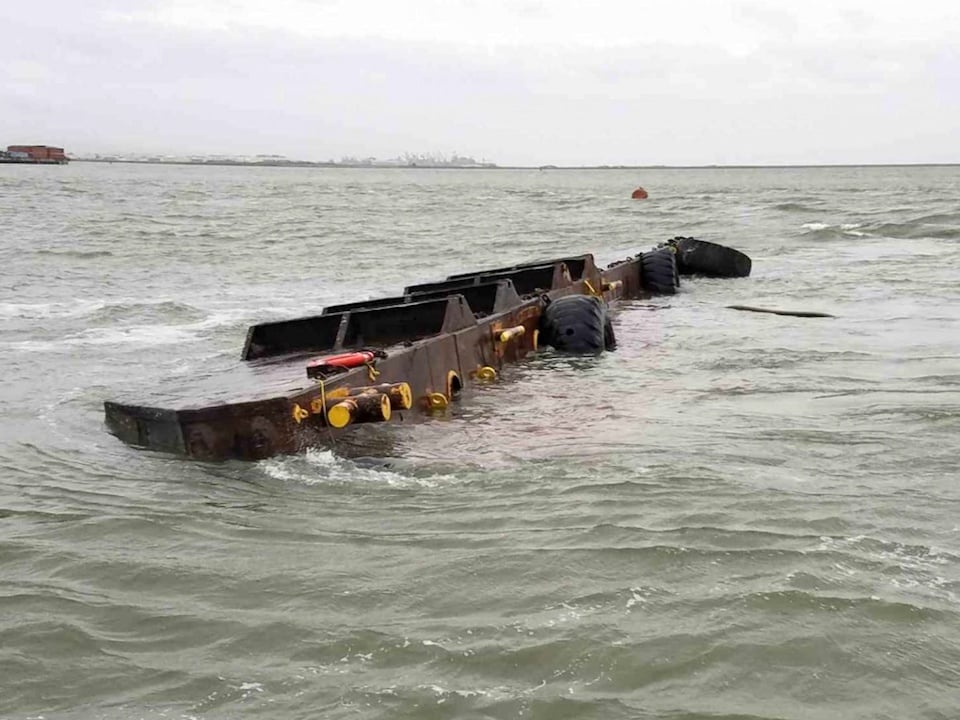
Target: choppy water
(732,516)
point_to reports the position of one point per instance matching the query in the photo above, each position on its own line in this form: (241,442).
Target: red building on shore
(34,154)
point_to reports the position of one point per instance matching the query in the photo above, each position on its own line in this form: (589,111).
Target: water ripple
(732,516)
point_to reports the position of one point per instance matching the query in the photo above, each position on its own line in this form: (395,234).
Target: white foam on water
(145,335)
(636,597)
(557,615)
(921,570)
(232,316)
(323,466)
(43,311)
(278,470)
(853,230)
(447,692)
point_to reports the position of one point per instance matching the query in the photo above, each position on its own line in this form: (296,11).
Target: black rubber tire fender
(609,337)
(658,272)
(700,257)
(577,324)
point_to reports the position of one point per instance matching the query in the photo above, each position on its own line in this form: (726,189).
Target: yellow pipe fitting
(340,392)
(401,397)
(367,407)
(340,415)
(509,334)
(486,373)
(437,401)
(299,414)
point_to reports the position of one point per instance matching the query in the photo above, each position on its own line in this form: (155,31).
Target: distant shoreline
(361,166)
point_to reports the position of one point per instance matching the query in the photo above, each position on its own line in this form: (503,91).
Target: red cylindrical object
(343,361)
(347,360)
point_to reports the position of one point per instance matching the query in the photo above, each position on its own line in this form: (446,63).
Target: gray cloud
(768,86)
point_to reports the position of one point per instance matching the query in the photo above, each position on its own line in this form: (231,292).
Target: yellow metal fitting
(615,285)
(437,401)
(509,334)
(591,288)
(402,395)
(340,415)
(486,373)
(536,339)
(386,409)
(299,414)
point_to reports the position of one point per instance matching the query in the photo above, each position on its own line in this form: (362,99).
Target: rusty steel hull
(436,337)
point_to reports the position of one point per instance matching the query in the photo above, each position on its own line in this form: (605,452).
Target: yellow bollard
(372,407)
(401,397)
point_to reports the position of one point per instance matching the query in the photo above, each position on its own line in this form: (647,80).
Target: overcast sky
(514,82)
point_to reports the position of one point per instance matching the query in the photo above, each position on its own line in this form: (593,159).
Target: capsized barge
(314,378)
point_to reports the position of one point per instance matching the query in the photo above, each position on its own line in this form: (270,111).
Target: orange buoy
(639,194)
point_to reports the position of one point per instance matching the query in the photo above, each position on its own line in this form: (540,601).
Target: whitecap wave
(322,466)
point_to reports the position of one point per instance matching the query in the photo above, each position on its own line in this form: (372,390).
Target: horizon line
(494,166)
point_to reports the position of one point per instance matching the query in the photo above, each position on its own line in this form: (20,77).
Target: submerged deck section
(435,338)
